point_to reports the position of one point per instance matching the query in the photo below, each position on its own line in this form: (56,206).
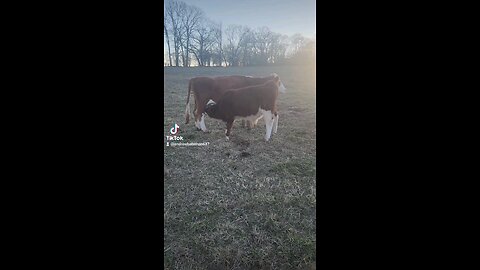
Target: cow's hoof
(227,139)
(198,129)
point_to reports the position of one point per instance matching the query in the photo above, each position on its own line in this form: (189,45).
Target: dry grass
(246,203)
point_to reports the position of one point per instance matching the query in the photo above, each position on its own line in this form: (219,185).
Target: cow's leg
(250,124)
(196,114)
(202,123)
(268,124)
(256,121)
(275,123)
(200,117)
(228,130)
(197,117)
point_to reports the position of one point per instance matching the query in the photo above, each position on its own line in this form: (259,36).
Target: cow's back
(238,81)
(225,83)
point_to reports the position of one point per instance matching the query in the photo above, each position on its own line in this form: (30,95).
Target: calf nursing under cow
(252,101)
(212,88)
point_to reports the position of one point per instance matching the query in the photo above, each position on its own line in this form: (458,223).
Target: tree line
(191,38)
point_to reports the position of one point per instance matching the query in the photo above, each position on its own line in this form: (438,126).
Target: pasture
(245,203)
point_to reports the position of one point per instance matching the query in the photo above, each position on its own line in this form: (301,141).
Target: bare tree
(193,35)
(236,36)
(297,41)
(246,46)
(277,48)
(174,11)
(219,55)
(263,41)
(302,50)
(203,41)
(231,34)
(165,29)
(190,22)
(281,49)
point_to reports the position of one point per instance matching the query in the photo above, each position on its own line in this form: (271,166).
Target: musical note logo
(174,129)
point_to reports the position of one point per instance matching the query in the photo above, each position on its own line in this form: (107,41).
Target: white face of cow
(211,102)
(281,87)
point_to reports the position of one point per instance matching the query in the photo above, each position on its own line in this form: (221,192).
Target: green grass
(246,203)
(295,168)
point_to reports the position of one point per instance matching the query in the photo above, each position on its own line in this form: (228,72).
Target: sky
(280,16)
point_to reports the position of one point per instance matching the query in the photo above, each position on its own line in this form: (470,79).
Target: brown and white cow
(251,103)
(212,88)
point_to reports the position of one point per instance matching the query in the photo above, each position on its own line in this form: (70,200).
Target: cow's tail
(187,109)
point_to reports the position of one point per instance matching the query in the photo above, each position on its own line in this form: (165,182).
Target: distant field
(246,203)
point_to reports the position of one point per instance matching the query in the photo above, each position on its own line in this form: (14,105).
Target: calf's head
(211,108)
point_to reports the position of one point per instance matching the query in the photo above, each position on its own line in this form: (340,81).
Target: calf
(212,88)
(251,103)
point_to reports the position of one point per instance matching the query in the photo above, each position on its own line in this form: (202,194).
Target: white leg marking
(202,123)
(268,124)
(256,121)
(275,124)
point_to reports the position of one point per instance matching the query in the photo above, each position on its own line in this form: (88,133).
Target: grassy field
(246,203)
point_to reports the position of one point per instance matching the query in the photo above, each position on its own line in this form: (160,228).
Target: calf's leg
(256,121)
(202,123)
(200,117)
(250,124)
(275,123)
(268,115)
(229,128)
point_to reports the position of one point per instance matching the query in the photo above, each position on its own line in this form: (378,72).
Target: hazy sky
(281,16)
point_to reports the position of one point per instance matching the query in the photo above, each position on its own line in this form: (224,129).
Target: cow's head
(281,87)
(211,108)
